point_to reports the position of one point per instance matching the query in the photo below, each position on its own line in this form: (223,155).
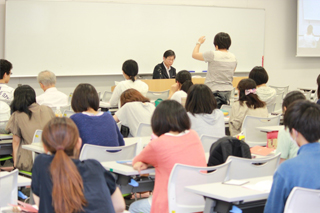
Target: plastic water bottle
(58,112)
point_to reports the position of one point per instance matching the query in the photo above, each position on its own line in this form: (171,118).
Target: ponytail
(67,189)
(186,85)
(132,78)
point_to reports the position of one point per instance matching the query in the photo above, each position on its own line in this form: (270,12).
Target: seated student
(27,117)
(318,90)
(248,104)
(165,70)
(62,183)
(4,115)
(286,147)
(51,96)
(303,120)
(6,92)
(179,90)
(135,109)
(97,128)
(202,110)
(265,93)
(130,72)
(176,143)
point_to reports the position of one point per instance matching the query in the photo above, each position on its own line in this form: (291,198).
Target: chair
(180,200)
(307,94)
(207,141)
(3,124)
(303,200)
(9,188)
(37,136)
(242,168)
(253,136)
(279,100)
(271,107)
(152,95)
(144,130)
(68,113)
(108,153)
(62,108)
(106,96)
(284,89)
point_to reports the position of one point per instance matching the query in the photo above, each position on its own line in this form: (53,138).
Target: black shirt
(160,72)
(98,184)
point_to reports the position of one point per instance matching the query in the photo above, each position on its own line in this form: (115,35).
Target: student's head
(259,75)
(303,117)
(318,82)
(85,96)
(46,79)
(291,97)
(168,57)
(131,95)
(5,70)
(130,68)
(168,116)
(200,100)
(247,93)
(222,41)
(60,137)
(23,97)
(183,78)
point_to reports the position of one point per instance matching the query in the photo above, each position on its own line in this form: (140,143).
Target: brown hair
(318,82)
(85,96)
(60,136)
(131,95)
(252,100)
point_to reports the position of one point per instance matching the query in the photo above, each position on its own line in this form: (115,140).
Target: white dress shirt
(52,98)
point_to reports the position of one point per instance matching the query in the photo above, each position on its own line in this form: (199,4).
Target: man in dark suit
(165,70)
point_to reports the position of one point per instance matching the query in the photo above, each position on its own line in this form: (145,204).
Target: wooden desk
(229,193)
(156,85)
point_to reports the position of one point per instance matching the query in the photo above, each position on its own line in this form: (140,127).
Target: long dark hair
(184,78)
(60,136)
(252,100)
(23,97)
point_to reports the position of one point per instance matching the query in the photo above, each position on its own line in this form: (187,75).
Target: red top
(163,153)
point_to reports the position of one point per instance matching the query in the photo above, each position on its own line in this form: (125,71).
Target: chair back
(271,107)
(152,95)
(68,113)
(62,108)
(9,188)
(3,124)
(253,136)
(107,153)
(37,136)
(207,141)
(106,96)
(144,129)
(279,90)
(242,168)
(279,100)
(303,200)
(180,200)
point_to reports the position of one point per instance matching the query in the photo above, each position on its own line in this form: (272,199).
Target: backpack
(225,146)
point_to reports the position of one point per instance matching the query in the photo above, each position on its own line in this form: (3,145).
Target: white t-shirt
(221,66)
(52,98)
(6,93)
(133,113)
(127,84)
(4,111)
(179,95)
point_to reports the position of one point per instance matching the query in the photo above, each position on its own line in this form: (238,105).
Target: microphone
(159,70)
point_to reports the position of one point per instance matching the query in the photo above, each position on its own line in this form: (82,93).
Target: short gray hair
(47,78)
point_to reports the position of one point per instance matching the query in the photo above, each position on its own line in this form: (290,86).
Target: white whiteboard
(95,38)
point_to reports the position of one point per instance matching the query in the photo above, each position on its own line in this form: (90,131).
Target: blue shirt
(99,130)
(302,171)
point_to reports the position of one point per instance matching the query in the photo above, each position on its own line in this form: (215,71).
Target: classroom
(277,47)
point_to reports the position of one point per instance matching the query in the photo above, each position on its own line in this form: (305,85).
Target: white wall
(280,46)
